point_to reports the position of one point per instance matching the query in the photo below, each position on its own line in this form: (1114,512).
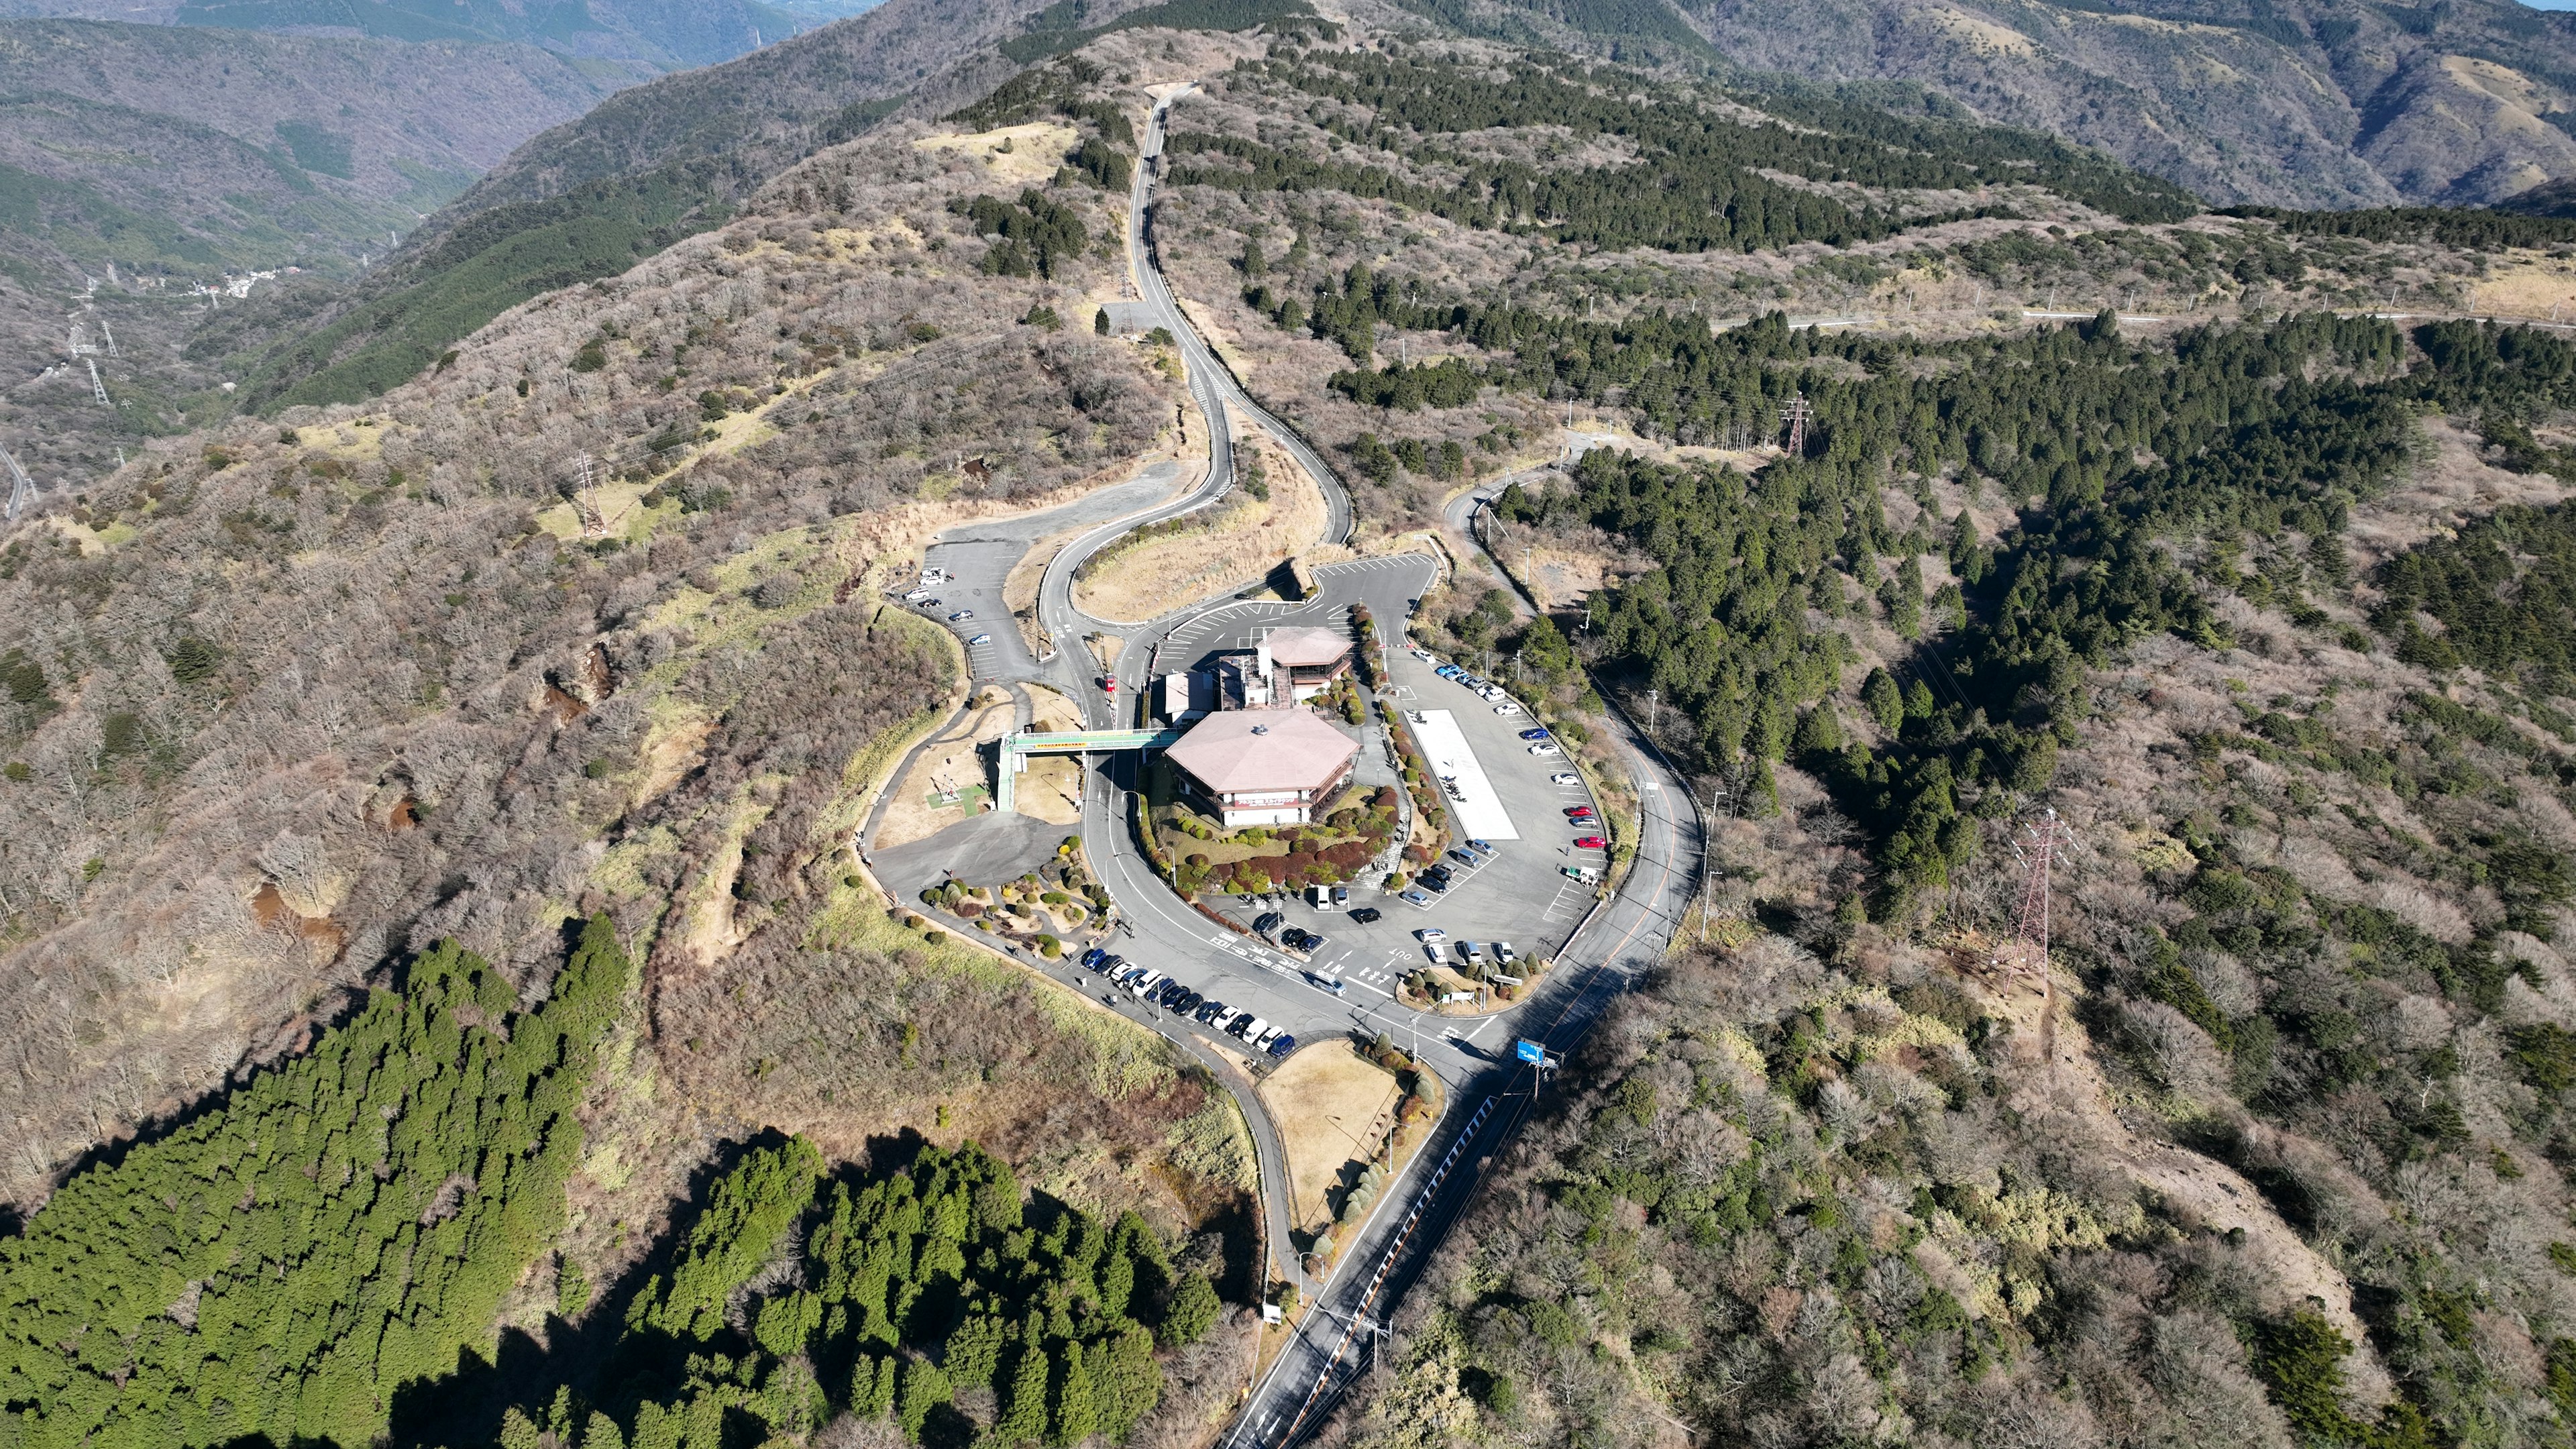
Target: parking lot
(1520,895)
(1347,983)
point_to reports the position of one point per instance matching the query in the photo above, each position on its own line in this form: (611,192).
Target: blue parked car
(1091,958)
(1533,734)
(1417,897)
(1282,1045)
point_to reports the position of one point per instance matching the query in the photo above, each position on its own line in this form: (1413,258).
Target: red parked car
(1578,812)
(1590,842)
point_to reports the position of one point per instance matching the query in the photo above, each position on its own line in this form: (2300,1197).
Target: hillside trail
(2064,1081)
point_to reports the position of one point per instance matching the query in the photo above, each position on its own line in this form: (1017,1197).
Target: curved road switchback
(1489,1092)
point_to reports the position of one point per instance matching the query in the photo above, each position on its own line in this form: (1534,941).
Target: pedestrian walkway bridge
(1016,749)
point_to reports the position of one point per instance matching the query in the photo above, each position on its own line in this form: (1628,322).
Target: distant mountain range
(2307,103)
(656,34)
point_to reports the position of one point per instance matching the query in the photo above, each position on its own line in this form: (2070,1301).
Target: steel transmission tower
(2043,842)
(585,500)
(1796,415)
(97,389)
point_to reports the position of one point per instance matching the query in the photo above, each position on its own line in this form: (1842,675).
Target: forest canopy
(343,1226)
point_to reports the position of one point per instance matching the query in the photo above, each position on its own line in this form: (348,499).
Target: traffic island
(1051,911)
(1476,989)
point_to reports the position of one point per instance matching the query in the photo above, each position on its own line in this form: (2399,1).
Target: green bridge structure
(1015,750)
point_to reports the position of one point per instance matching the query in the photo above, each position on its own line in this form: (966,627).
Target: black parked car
(1366,914)
(1209,1010)
(1267,922)
(1187,1004)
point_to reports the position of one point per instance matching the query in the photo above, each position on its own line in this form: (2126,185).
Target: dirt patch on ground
(948,780)
(1333,1109)
(1227,545)
(670,751)
(2528,285)
(1051,789)
(1564,576)
(1020,587)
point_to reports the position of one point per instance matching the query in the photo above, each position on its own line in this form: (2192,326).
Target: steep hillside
(2261,594)
(133,113)
(633,37)
(772,409)
(2311,103)
(140,165)
(591,198)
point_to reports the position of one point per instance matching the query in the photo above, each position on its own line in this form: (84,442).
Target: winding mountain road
(1490,1092)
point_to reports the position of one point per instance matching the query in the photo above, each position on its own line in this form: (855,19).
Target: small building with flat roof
(1264,766)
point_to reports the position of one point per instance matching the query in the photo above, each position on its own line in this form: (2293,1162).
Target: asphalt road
(1521,896)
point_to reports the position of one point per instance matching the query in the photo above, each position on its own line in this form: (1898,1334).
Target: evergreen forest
(2140,475)
(342,1226)
(914,1287)
(1695,183)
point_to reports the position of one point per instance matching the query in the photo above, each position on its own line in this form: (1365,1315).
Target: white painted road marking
(1479,808)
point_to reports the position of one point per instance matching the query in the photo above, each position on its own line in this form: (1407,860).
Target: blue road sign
(1532,1052)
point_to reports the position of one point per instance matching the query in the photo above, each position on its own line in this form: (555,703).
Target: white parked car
(1504,955)
(1544,749)
(1507,709)
(1565,777)
(1432,935)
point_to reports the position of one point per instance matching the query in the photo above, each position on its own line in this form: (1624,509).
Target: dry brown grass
(1333,1108)
(1243,540)
(2528,284)
(1037,149)
(1052,789)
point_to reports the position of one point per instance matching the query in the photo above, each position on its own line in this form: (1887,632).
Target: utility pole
(1796,415)
(22,489)
(1651,703)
